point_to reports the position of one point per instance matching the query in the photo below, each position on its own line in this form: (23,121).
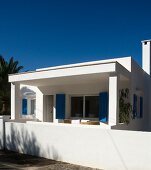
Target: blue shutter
(24,106)
(134,105)
(60,106)
(103,107)
(141,107)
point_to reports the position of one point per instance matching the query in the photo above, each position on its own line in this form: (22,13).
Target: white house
(85,92)
(69,113)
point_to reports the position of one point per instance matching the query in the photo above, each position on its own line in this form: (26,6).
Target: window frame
(32,99)
(138,116)
(29,115)
(83,96)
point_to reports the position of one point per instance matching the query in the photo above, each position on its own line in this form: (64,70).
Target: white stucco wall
(3,119)
(17,94)
(1,133)
(84,145)
(138,83)
(140,86)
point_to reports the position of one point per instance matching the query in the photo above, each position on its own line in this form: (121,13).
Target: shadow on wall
(23,141)
(26,91)
(52,153)
(1,141)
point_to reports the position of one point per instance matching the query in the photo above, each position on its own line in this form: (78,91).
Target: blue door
(103,106)
(60,106)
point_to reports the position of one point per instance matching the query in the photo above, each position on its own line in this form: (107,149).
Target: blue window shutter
(141,107)
(103,106)
(24,106)
(60,106)
(134,106)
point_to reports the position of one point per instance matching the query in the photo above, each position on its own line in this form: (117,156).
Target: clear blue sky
(41,33)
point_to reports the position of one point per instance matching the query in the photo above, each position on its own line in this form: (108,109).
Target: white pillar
(113,100)
(15,101)
(39,105)
(54,110)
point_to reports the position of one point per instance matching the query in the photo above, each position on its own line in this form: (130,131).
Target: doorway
(48,108)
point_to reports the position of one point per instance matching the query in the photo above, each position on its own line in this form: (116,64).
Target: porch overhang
(69,73)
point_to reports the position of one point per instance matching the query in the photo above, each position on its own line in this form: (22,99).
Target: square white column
(54,110)
(113,100)
(15,101)
(39,105)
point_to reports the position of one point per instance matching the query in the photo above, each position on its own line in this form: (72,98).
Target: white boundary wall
(1,133)
(82,144)
(3,119)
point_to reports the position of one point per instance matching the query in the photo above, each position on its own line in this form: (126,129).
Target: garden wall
(81,144)
(2,130)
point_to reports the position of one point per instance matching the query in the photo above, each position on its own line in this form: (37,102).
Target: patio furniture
(91,123)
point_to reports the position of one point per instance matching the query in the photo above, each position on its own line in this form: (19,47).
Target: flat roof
(83,63)
(69,71)
(75,65)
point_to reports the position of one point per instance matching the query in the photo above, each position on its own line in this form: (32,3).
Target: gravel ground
(13,160)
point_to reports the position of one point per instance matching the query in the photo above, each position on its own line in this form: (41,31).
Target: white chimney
(146,56)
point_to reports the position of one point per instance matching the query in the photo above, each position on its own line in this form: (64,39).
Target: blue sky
(41,33)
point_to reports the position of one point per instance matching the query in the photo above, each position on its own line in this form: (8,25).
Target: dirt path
(13,160)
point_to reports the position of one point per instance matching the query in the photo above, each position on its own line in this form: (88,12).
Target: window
(85,106)
(137,106)
(92,106)
(76,106)
(28,106)
(24,106)
(33,106)
(141,107)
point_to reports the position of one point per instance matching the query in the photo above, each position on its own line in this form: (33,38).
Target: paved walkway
(16,161)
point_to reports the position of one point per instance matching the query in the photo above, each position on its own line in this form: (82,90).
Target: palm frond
(6,68)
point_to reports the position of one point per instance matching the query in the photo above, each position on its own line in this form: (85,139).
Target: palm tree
(5,87)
